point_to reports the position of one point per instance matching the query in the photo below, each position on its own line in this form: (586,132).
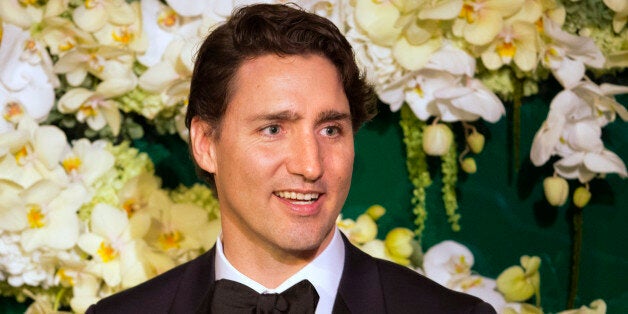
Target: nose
(305,158)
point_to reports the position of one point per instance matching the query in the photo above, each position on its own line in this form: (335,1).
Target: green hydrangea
(129,163)
(147,104)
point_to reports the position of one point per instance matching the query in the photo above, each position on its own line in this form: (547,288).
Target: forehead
(272,82)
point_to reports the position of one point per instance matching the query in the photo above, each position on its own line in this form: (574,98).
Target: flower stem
(577,221)
(516,120)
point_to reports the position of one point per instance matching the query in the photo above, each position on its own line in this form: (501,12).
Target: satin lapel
(195,283)
(360,289)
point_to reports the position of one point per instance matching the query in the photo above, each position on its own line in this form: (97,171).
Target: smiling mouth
(298,198)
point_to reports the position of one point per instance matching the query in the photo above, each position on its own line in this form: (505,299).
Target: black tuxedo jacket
(367,285)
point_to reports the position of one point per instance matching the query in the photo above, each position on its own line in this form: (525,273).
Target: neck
(266,264)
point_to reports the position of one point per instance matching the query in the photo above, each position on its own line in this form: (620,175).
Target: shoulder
(406,289)
(159,294)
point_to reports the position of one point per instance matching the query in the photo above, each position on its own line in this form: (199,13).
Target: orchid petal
(484,30)
(441,10)
(73,99)
(49,144)
(189,7)
(378,21)
(108,221)
(414,57)
(569,73)
(605,162)
(90,20)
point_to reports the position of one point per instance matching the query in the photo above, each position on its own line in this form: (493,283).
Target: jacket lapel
(360,289)
(195,283)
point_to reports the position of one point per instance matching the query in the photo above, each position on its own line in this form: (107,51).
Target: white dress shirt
(323,272)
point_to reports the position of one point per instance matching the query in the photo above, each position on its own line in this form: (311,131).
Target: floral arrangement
(82,213)
(450,263)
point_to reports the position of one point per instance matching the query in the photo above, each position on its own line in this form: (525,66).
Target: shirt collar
(324,272)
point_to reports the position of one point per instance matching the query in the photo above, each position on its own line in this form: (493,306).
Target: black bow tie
(233,297)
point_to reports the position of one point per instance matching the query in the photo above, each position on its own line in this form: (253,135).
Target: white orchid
(19,13)
(86,161)
(573,131)
(51,214)
(105,63)
(93,108)
(93,16)
(25,74)
(160,22)
(61,35)
(567,54)
(109,242)
(31,153)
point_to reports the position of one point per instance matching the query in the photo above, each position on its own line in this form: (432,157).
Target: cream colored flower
(123,28)
(517,42)
(86,162)
(93,15)
(114,253)
(160,22)
(32,153)
(61,35)
(399,245)
(481,20)
(21,13)
(51,216)
(105,63)
(92,108)
(620,8)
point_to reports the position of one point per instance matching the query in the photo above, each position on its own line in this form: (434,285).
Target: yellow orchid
(516,42)
(519,283)
(360,231)
(480,21)
(620,7)
(91,108)
(399,245)
(596,307)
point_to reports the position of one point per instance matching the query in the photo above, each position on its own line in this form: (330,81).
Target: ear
(203,145)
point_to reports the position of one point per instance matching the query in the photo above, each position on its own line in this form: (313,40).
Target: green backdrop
(504,213)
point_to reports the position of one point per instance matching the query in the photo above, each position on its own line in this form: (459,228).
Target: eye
(271,130)
(332,131)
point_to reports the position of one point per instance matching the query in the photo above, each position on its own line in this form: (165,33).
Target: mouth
(298,198)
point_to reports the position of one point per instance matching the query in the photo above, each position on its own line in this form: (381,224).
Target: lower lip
(309,209)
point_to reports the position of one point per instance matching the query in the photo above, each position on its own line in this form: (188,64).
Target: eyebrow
(289,115)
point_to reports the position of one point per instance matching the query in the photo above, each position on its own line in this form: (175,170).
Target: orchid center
(20,156)
(130,206)
(27,2)
(470,283)
(90,4)
(71,164)
(468,13)
(35,217)
(64,278)
(506,50)
(461,266)
(95,62)
(87,110)
(167,18)
(122,35)
(106,252)
(12,111)
(170,240)
(67,44)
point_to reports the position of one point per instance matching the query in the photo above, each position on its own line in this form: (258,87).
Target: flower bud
(476,142)
(376,211)
(556,190)
(581,197)
(468,165)
(437,139)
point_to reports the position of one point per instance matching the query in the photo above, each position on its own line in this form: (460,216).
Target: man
(275,100)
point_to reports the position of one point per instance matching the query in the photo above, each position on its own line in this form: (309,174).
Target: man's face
(284,157)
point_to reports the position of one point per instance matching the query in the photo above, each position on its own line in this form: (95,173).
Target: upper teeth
(298,196)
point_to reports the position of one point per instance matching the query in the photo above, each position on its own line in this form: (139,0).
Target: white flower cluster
(130,230)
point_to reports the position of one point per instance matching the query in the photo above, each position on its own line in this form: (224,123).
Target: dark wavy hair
(262,29)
